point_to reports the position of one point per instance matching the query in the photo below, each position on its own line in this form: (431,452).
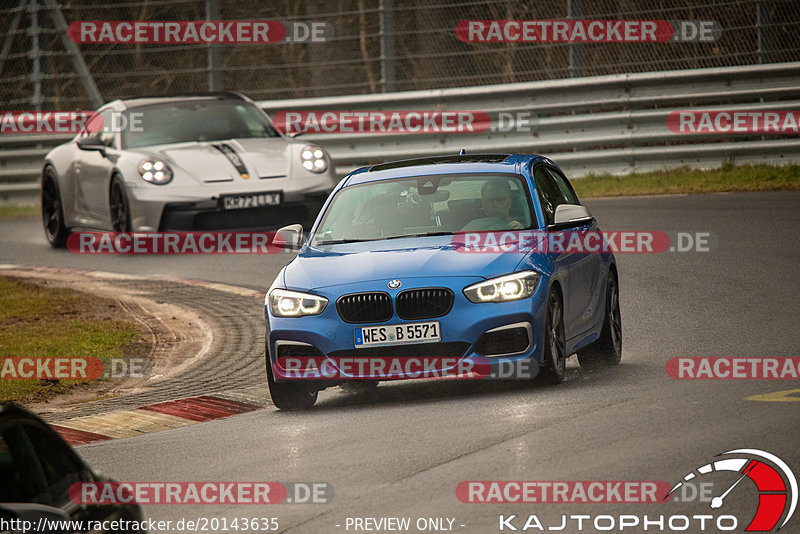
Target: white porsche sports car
(208,162)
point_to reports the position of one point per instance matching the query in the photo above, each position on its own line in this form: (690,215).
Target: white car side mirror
(290,237)
(571,216)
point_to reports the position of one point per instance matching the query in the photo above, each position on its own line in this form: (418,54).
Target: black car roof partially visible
(465,158)
(13,408)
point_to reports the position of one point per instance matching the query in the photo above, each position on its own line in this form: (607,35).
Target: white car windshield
(206,120)
(425,205)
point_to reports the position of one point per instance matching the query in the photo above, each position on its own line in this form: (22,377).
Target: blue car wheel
(555,357)
(289,395)
(607,350)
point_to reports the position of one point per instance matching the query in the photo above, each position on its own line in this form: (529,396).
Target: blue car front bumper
(469,332)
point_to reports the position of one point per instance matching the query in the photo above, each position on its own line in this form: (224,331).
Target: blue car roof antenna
(463,152)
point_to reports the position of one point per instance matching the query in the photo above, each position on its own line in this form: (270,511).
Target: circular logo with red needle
(775,482)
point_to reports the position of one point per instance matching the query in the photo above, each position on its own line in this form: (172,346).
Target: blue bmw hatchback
(421,262)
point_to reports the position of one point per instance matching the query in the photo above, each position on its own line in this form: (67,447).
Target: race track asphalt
(402,452)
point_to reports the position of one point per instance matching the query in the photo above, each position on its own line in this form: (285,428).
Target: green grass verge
(19,211)
(44,322)
(685,180)
(677,181)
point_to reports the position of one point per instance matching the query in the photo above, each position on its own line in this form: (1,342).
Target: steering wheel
(486,224)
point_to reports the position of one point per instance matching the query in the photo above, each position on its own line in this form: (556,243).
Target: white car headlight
(504,288)
(285,303)
(155,171)
(313,159)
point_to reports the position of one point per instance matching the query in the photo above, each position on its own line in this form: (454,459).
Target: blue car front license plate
(397,334)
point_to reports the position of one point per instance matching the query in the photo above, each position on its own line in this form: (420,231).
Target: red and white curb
(153,418)
(163,415)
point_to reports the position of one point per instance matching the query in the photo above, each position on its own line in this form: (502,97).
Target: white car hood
(262,158)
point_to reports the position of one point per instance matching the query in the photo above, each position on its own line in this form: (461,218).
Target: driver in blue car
(496,201)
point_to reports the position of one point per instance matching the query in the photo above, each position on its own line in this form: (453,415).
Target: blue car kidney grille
(411,304)
(365,307)
(425,303)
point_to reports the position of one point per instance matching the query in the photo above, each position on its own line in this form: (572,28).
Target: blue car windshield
(426,205)
(204,120)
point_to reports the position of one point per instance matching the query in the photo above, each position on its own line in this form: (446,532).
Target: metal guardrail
(615,124)
(21,158)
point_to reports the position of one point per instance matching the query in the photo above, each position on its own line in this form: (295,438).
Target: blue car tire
(554,361)
(607,350)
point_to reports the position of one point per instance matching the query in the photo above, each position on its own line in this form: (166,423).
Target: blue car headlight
(285,303)
(504,288)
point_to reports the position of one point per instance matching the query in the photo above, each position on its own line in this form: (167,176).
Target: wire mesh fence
(376,46)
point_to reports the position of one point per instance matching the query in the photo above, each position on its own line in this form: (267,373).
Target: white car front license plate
(397,334)
(251,200)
